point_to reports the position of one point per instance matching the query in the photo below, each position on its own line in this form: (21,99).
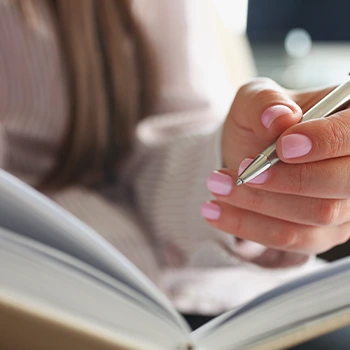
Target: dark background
(324,20)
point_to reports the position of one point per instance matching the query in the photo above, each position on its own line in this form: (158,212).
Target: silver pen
(336,100)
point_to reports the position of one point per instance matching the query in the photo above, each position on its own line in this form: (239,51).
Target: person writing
(114,109)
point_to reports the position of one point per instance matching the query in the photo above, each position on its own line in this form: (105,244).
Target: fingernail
(260,179)
(295,145)
(271,113)
(219,183)
(210,211)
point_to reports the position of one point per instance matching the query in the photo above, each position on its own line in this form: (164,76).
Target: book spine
(187,346)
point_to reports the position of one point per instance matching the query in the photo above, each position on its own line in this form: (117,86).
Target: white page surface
(292,304)
(27,212)
(56,282)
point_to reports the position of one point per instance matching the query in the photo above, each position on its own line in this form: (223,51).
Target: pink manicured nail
(295,145)
(210,211)
(272,113)
(219,183)
(259,179)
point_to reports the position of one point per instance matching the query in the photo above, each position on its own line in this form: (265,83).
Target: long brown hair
(111,84)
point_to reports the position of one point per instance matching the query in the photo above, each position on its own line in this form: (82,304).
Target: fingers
(272,232)
(316,140)
(326,179)
(261,111)
(293,208)
(302,206)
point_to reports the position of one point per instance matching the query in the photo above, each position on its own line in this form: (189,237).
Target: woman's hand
(301,204)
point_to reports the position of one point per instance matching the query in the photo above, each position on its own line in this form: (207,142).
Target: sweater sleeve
(180,144)
(174,155)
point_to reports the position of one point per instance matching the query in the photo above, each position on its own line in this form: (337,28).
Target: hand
(301,204)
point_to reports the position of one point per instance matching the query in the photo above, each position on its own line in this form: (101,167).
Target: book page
(301,333)
(27,212)
(25,327)
(56,286)
(292,305)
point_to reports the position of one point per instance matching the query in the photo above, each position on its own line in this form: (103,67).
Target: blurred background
(298,43)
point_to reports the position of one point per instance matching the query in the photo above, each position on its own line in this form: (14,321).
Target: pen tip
(239,182)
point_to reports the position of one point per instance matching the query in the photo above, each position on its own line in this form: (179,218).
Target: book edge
(19,307)
(305,332)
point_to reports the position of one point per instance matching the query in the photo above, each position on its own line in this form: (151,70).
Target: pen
(336,100)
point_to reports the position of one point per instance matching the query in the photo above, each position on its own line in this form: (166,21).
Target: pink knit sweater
(176,148)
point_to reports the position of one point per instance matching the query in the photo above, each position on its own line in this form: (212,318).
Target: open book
(62,286)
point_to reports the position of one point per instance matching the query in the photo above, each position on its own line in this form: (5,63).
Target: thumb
(260,113)
(266,108)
